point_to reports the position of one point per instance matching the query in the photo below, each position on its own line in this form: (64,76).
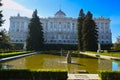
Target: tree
(1,20)
(116,46)
(80,22)
(35,34)
(90,35)
(5,40)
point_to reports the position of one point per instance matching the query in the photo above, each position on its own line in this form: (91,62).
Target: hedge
(25,74)
(109,75)
(4,55)
(61,46)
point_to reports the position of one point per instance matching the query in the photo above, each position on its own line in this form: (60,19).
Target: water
(45,61)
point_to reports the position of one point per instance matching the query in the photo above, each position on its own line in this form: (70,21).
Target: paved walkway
(101,56)
(18,56)
(83,77)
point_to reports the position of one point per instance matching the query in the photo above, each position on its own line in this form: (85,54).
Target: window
(51,25)
(18,24)
(21,40)
(59,40)
(107,42)
(106,37)
(73,25)
(68,24)
(105,24)
(16,40)
(102,42)
(17,30)
(59,22)
(51,40)
(22,24)
(13,24)
(102,37)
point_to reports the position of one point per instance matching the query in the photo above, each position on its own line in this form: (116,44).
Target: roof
(60,13)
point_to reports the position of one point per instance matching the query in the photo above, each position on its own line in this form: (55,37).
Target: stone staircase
(83,77)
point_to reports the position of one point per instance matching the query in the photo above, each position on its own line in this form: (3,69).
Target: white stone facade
(58,29)
(18,29)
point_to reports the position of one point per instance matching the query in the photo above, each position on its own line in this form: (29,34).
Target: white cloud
(11,8)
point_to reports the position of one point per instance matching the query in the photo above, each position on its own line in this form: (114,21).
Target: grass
(113,54)
(9,54)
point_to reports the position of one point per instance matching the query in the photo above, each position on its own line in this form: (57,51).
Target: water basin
(47,61)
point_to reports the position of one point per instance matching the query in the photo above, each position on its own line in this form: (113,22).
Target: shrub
(109,75)
(5,54)
(18,46)
(33,74)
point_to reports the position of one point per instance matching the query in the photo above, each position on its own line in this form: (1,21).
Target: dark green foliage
(116,45)
(80,22)
(109,75)
(1,20)
(61,46)
(106,46)
(35,36)
(4,40)
(33,75)
(89,31)
(18,46)
(0,3)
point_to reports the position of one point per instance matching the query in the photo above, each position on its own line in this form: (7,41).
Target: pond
(47,61)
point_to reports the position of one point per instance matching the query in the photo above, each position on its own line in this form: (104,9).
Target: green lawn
(3,55)
(114,54)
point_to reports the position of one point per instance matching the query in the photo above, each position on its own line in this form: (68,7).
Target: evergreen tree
(35,34)
(1,20)
(5,40)
(80,22)
(90,35)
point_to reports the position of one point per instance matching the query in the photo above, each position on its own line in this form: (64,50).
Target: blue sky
(47,8)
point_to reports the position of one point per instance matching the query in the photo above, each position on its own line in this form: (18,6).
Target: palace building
(58,29)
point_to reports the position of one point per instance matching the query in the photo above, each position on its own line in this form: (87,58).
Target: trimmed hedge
(18,46)
(4,55)
(59,46)
(24,74)
(109,75)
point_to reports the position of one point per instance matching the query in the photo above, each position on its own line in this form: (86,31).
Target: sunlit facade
(58,29)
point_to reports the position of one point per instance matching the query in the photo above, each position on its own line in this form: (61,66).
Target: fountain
(68,57)
(49,61)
